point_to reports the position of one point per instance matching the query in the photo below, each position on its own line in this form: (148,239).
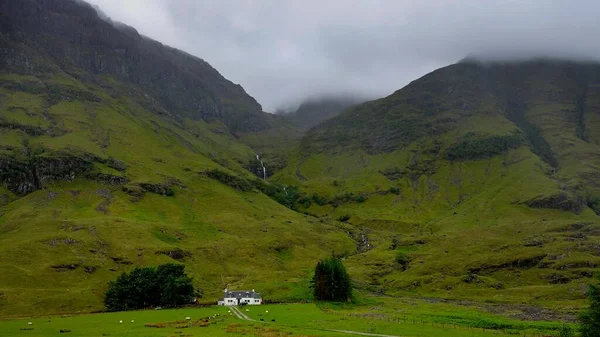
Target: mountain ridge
(185,85)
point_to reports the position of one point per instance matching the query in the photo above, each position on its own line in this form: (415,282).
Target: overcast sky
(282,51)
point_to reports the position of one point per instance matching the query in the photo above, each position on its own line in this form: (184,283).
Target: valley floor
(373,317)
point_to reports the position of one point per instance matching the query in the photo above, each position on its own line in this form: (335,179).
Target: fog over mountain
(284,51)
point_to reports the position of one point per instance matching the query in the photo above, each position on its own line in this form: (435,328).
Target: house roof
(242,293)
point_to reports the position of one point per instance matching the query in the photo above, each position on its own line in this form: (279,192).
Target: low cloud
(284,51)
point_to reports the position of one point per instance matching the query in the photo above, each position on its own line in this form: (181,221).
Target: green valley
(471,195)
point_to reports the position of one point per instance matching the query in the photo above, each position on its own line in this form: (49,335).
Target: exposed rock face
(176,254)
(561,201)
(74,37)
(108,179)
(27,175)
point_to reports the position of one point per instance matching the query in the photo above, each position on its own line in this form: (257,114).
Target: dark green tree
(176,287)
(168,285)
(590,318)
(331,281)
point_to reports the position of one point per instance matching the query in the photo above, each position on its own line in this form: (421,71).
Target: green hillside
(483,176)
(99,175)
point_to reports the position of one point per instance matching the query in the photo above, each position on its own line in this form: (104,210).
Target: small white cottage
(240,297)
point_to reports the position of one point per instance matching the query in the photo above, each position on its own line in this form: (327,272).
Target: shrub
(473,147)
(360,198)
(229,180)
(168,285)
(344,218)
(395,190)
(319,199)
(402,259)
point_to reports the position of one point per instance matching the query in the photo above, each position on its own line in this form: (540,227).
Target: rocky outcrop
(520,263)
(108,179)
(22,176)
(561,201)
(175,254)
(160,189)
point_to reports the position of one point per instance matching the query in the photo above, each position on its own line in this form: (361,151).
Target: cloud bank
(284,51)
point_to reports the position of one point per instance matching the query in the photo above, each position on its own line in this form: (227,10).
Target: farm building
(240,297)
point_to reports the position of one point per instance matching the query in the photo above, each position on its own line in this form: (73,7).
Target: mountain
(483,175)
(478,181)
(86,47)
(314,111)
(117,151)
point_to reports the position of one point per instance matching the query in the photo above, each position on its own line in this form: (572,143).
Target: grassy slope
(405,317)
(235,239)
(464,217)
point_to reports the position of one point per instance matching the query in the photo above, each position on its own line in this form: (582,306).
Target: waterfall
(263,167)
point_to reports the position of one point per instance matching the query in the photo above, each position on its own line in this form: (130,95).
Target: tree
(590,318)
(168,285)
(331,281)
(176,286)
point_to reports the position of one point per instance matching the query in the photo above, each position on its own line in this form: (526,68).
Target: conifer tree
(331,281)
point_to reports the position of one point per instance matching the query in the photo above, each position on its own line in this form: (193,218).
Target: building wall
(233,301)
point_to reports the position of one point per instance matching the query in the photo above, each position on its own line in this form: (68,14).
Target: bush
(473,147)
(395,190)
(402,259)
(360,198)
(168,286)
(229,180)
(341,199)
(344,218)
(319,199)
(331,281)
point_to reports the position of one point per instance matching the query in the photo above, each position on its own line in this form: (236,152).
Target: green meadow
(384,316)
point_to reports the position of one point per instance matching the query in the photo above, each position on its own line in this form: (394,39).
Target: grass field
(389,316)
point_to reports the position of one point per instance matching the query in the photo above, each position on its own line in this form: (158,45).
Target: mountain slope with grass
(116,151)
(476,181)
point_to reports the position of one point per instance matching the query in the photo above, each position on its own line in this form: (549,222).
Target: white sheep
(131,321)
(188,318)
(120,322)
(29,323)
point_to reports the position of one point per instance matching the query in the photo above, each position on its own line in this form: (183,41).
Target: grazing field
(381,316)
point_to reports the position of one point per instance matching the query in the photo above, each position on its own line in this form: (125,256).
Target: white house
(240,297)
